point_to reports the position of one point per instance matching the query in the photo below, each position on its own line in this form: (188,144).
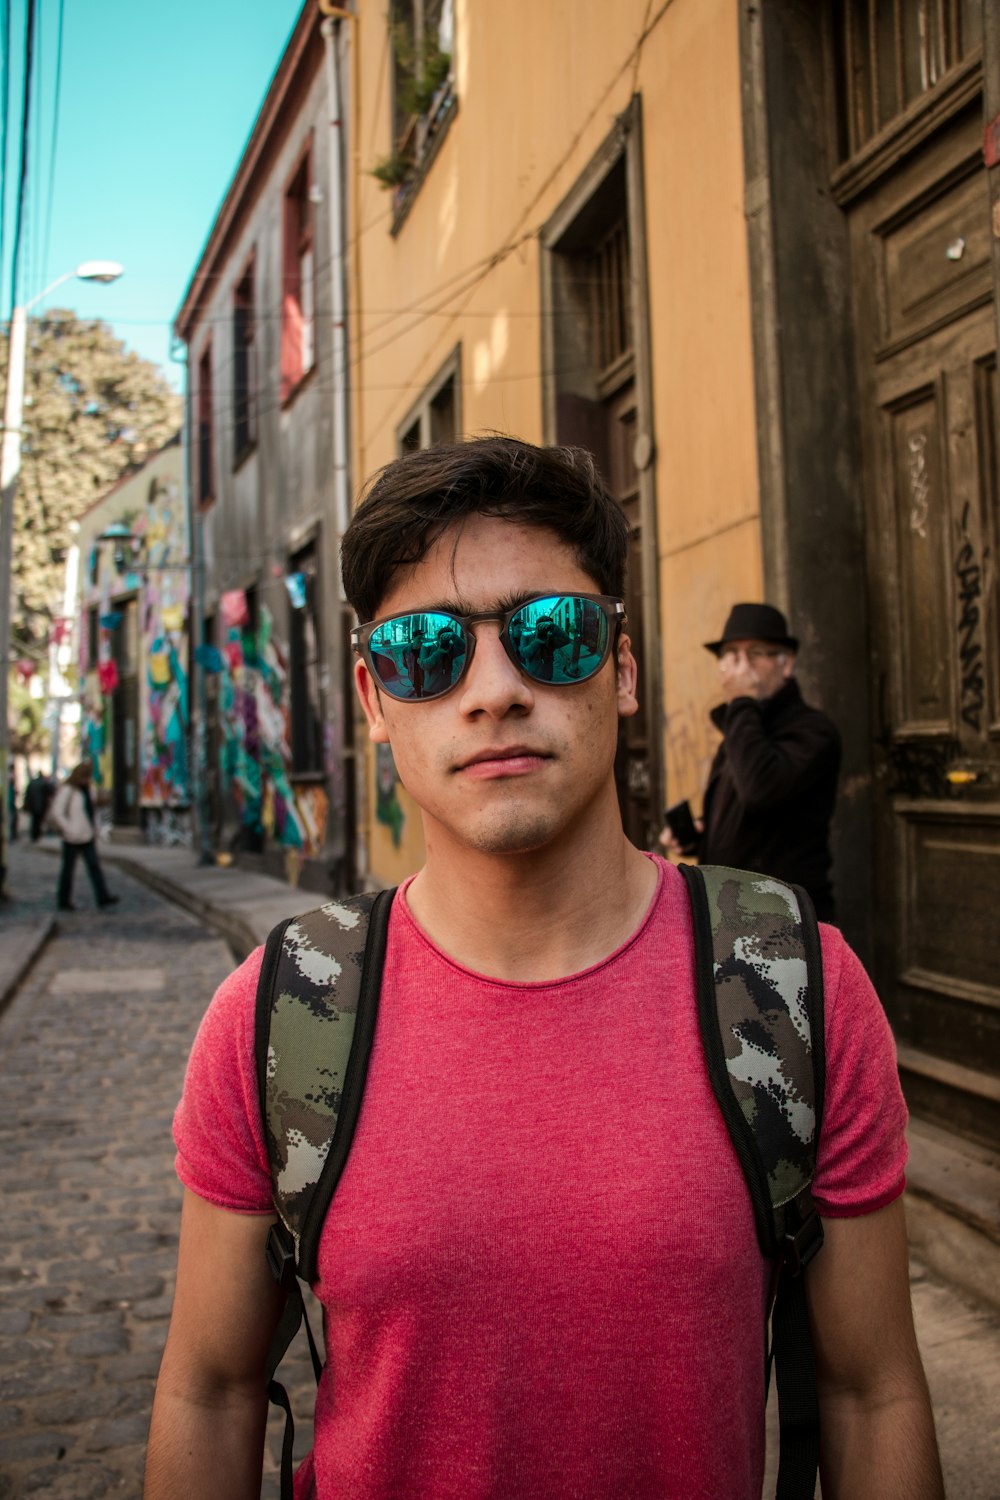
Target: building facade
(749,254)
(267,466)
(133,647)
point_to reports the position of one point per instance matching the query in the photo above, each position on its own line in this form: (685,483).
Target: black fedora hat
(754,622)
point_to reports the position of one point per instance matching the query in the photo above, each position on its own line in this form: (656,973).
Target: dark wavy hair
(410,502)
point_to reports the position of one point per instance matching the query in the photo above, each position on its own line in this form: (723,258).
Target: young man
(539,1272)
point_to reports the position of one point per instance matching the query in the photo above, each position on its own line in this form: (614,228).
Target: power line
(5,110)
(52,153)
(29,40)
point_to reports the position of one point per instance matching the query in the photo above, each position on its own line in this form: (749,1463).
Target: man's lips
(503,760)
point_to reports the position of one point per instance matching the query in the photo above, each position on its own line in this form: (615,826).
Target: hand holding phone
(683,828)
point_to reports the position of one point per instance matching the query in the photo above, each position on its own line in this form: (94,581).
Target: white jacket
(68,815)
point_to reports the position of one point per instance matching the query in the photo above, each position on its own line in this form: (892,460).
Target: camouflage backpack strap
(317,1003)
(759,979)
(316,1008)
(760,1004)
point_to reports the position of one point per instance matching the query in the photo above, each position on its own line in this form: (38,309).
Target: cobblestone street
(92,1052)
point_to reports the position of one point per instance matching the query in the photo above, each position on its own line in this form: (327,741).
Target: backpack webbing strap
(759,984)
(316,1009)
(315,1023)
(798,1398)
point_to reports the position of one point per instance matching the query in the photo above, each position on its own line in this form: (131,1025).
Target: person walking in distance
(539,1272)
(37,797)
(72,813)
(773,782)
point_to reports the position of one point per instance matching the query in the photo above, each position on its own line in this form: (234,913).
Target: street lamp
(103,271)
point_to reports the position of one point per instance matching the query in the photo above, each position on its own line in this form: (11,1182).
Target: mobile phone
(681,824)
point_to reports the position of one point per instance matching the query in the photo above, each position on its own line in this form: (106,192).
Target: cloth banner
(295,583)
(209,657)
(233,605)
(172,616)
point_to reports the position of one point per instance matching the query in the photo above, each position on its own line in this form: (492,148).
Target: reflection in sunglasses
(555,638)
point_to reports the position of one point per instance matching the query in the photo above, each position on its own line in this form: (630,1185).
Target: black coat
(771,792)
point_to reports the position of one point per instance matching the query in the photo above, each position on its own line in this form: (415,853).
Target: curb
(26,950)
(226,924)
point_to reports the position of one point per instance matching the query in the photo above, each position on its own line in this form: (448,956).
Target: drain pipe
(341,465)
(351,778)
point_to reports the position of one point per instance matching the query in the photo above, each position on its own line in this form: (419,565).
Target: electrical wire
(4,114)
(52,151)
(29,41)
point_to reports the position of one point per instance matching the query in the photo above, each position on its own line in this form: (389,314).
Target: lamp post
(10,467)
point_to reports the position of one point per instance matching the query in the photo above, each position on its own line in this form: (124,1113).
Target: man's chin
(521,834)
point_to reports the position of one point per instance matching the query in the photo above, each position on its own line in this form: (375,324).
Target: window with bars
(606,269)
(305,665)
(888,53)
(422,79)
(244,366)
(206,459)
(434,419)
(298,351)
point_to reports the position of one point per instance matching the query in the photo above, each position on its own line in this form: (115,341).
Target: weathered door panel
(927,372)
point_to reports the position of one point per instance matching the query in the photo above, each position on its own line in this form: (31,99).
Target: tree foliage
(93,411)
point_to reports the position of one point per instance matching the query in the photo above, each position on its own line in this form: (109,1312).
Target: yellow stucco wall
(539,87)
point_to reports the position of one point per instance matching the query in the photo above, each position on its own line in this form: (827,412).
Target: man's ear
(627,678)
(370,701)
(788,665)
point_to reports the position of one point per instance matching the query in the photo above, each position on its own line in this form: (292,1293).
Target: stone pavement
(92,1053)
(27,916)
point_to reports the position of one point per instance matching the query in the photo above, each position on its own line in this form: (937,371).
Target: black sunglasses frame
(611,607)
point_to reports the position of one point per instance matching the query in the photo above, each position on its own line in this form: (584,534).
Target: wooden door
(926,337)
(632,762)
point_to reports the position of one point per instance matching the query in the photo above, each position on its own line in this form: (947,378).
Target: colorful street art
(256,749)
(151,564)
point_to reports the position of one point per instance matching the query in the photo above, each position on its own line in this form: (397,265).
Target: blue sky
(155,106)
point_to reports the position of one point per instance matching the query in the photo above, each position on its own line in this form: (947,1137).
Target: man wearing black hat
(773,782)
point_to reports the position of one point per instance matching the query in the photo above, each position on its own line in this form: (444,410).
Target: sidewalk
(240,905)
(27,917)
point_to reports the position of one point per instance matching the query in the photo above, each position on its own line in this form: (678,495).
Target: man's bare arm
(877,1428)
(207,1434)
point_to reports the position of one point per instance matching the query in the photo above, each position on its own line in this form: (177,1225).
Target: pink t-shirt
(539,1273)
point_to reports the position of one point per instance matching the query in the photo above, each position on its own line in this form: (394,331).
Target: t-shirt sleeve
(862,1154)
(217,1128)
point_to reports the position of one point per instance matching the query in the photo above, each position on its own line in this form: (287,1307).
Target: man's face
(754,669)
(501,764)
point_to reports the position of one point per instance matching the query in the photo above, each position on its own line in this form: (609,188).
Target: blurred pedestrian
(773,782)
(12,801)
(72,812)
(37,796)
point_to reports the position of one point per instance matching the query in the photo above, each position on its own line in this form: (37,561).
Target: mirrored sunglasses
(560,639)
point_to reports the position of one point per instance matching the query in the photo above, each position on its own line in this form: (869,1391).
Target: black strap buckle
(280,1254)
(803,1242)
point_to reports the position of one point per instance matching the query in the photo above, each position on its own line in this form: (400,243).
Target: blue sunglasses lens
(418,656)
(562,638)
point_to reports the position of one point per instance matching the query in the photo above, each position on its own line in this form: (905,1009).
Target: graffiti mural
(164,708)
(256,760)
(135,557)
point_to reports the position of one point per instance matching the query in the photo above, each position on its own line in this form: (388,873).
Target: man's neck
(534,916)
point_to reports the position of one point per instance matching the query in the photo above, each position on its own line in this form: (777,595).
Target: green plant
(418,75)
(391,170)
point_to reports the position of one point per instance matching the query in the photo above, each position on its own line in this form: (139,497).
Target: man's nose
(493,685)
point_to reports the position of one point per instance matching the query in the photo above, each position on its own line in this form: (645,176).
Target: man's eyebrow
(500,605)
